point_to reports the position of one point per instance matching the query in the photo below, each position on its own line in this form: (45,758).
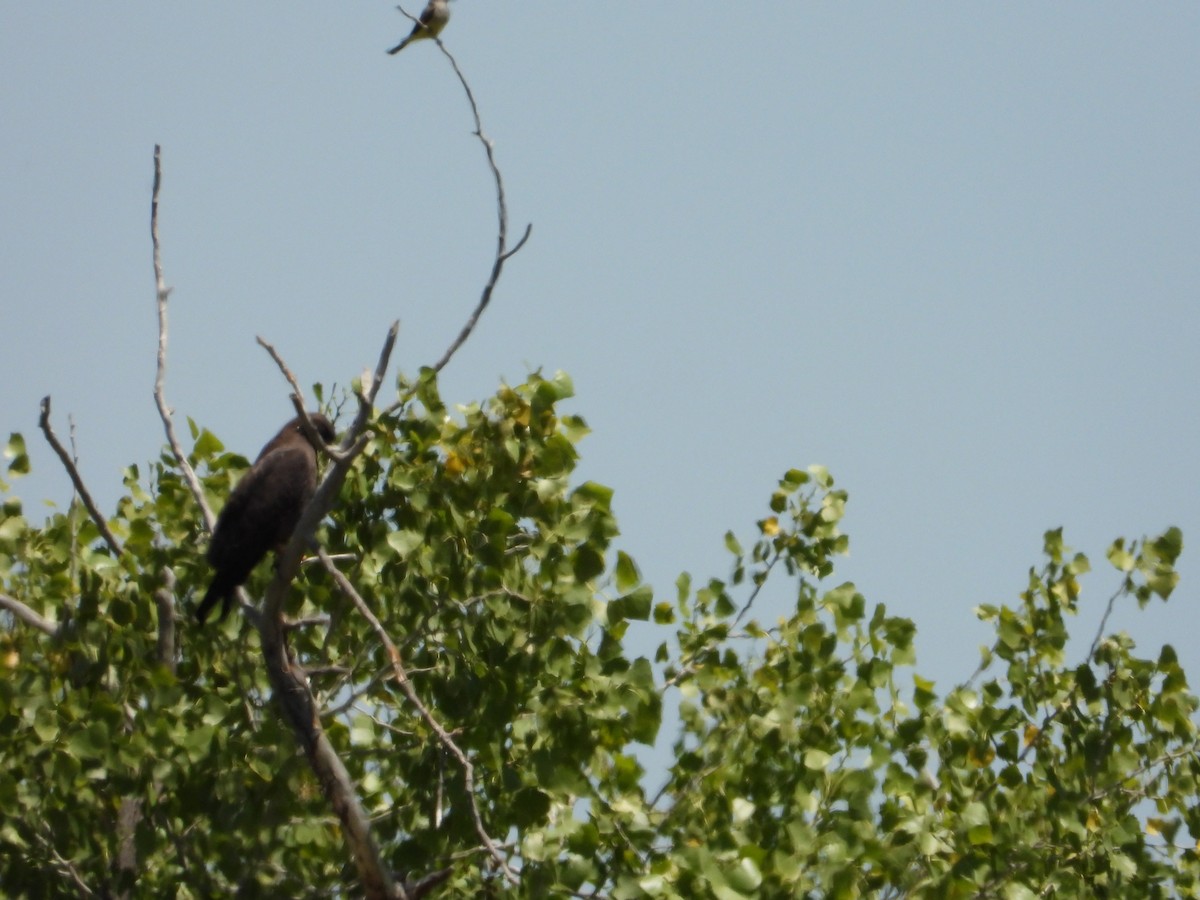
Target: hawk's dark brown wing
(262,511)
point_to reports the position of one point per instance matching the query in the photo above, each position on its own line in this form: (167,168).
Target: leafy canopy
(809,760)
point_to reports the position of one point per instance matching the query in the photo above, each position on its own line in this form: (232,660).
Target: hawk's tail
(218,590)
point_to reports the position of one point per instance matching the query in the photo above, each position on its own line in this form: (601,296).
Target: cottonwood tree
(432,693)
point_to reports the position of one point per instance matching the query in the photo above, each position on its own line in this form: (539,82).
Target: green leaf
(15,450)
(732,544)
(745,877)
(636,605)
(1121,558)
(405,542)
(530,807)
(1169,545)
(817,760)
(627,574)
(207,445)
(587,563)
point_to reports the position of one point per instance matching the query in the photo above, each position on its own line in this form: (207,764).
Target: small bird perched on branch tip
(429,24)
(263,510)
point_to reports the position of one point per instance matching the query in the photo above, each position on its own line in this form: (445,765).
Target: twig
(414,890)
(352,445)
(27,615)
(443,736)
(761,579)
(297,394)
(52,439)
(1104,622)
(165,412)
(353,697)
(64,866)
(74,528)
(688,666)
(1050,718)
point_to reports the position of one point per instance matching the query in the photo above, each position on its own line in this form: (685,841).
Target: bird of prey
(430,23)
(263,510)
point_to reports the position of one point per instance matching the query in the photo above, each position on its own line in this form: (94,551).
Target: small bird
(263,510)
(430,24)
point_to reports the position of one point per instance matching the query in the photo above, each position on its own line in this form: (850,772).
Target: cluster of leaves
(804,765)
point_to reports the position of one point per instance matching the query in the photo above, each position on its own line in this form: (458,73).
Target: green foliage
(809,760)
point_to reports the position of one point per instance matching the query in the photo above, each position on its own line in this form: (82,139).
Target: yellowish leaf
(980,758)
(455,464)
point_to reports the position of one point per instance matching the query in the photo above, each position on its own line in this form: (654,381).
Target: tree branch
(503,252)
(410,692)
(24,614)
(164,411)
(351,446)
(289,680)
(80,487)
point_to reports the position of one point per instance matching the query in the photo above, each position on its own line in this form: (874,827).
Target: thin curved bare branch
(80,487)
(503,251)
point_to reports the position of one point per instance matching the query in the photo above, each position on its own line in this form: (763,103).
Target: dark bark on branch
(80,487)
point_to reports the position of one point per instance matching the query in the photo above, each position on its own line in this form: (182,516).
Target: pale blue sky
(949,251)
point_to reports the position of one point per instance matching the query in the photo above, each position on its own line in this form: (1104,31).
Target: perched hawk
(263,510)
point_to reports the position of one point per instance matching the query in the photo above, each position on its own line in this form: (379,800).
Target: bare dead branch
(74,529)
(165,412)
(164,602)
(434,725)
(381,366)
(80,487)
(24,614)
(352,445)
(288,679)
(297,393)
(502,251)
(129,814)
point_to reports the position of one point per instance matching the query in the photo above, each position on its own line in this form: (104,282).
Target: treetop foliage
(809,759)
